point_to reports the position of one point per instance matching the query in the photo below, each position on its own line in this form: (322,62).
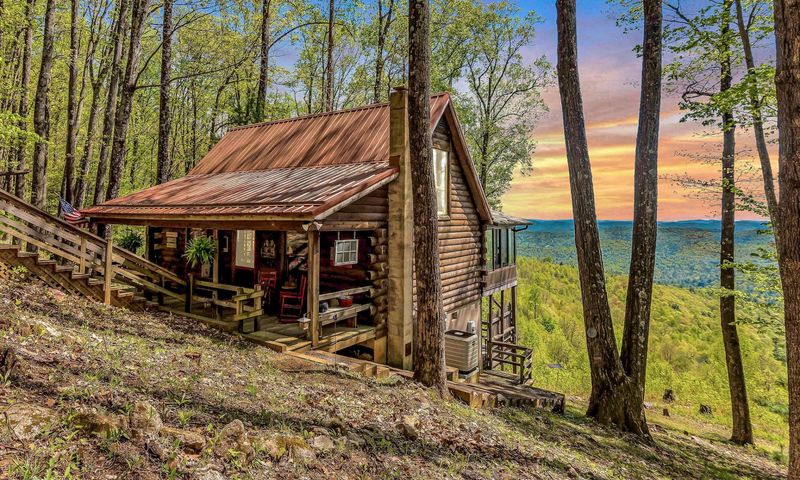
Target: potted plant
(200,251)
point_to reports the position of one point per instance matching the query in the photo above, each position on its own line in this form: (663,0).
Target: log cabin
(311,222)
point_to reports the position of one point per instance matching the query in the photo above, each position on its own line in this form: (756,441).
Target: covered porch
(288,289)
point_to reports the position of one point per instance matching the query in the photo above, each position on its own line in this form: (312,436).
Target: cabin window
(441,176)
(345,252)
(245,248)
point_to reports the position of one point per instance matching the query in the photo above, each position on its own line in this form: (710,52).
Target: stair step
(8,246)
(64,268)
(22,254)
(79,276)
(95,281)
(125,293)
(45,261)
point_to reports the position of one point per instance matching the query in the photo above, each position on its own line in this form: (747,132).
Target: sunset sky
(610,75)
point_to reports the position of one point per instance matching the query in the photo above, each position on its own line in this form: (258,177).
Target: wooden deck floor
(291,337)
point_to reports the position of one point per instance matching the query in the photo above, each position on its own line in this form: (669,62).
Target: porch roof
(298,193)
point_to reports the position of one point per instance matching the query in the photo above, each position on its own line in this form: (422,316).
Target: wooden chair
(268,279)
(293,300)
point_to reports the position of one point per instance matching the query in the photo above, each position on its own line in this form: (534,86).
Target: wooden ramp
(486,392)
(292,338)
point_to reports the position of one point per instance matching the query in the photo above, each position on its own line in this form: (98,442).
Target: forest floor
(106,393)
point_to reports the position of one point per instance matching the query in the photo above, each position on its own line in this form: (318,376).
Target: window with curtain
(441,176)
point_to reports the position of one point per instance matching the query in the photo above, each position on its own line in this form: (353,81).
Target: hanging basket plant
(200,251)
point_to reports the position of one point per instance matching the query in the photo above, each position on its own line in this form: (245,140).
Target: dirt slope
(106,393)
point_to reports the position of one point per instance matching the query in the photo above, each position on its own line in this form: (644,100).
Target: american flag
(70,214)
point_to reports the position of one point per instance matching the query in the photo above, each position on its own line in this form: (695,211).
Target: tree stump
(669,395)
(666,412)
(8,364)
(705,409)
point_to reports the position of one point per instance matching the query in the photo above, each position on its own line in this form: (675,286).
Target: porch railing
(502,357)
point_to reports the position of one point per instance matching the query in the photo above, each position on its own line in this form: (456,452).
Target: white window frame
(442,183)
(345,252)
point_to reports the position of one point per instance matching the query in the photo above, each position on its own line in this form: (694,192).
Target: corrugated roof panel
(359,135)
(279,191)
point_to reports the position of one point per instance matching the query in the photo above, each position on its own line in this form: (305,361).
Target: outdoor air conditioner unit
(462,350)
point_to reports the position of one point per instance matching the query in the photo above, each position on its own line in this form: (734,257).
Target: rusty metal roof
(301,192)
(358,135)
(298,168)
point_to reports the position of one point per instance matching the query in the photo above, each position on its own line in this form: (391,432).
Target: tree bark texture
(41,110)
(261,98)
(111,103)
(787,82)
(613,399)
(740,411)
(163,162)
(128,84)
(429,366)
(758,124)
(73,105)
(328,103)
(645,213)
(19,187)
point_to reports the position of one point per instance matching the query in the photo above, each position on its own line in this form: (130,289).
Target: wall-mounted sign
(245,248)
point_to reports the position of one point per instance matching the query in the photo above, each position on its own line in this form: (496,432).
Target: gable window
(345,252)
(441,176)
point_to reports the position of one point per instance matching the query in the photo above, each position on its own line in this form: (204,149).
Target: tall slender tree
(22,111)
(757,117)
(117,39)
(263,70)
(617,382)
(742,429)
(73,104)
(429,366)
(787,84)
(327,103)
(384,23)
(163,160)
(41,109)
(128,84)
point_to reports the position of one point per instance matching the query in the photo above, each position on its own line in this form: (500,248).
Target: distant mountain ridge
(687,253)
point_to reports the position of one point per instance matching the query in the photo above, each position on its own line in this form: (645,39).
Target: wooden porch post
(215,275)
(312,295)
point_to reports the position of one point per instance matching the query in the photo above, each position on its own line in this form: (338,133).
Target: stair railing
(90,253)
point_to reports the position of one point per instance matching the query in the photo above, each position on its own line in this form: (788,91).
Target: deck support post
(312,294)
(108,271)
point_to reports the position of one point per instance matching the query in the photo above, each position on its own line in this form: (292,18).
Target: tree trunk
(261,101)
(41,110)
(163,162)
(645,213)
(19,188)
(73,106)
(429,366)
(383,28)
(742,429)
(758,125)
(128,84)
(88,148)
(614,395)
(787,82)
(111,103)
(328,103)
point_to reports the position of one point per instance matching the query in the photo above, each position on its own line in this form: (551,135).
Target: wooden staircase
(76,261)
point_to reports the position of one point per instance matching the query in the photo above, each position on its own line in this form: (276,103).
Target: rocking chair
(293,300)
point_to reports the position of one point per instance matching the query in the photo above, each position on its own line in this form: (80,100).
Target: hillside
(686,352)
(106,393)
